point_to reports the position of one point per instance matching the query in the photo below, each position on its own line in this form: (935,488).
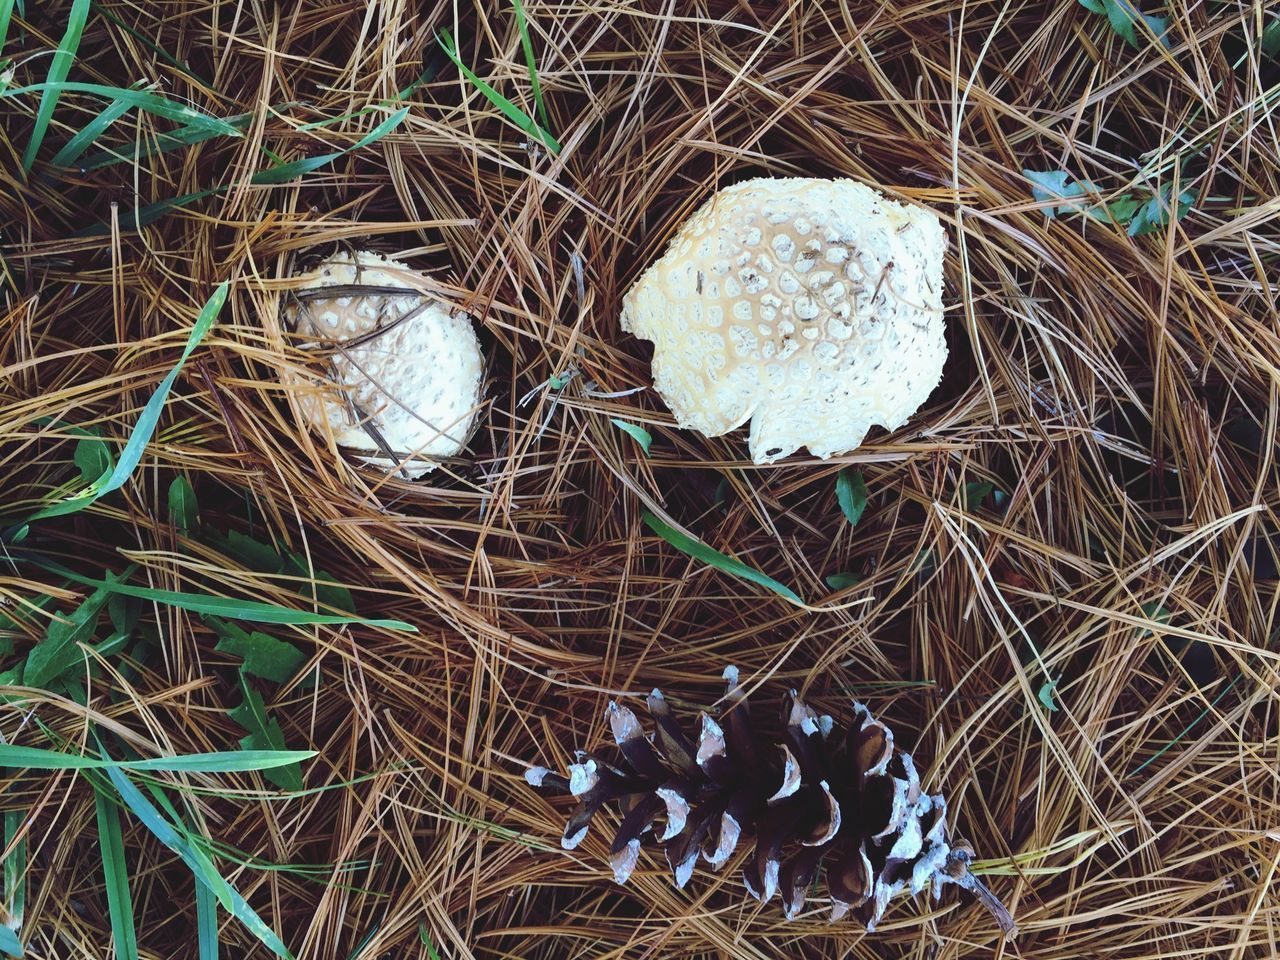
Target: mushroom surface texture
(405,370)
(812,308)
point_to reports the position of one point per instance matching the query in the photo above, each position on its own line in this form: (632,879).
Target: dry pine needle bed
(261,697)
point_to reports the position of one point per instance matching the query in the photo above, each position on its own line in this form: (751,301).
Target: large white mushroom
(812,308)
(404,369)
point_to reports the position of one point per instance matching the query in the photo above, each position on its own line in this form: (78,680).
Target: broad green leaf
(254,554)
(709,555)
(264,734)
(58,651)
(115,870)
(93,457)
(10,945)
(639,434)
(13,756)
(263,656)
(325,589)
(508,109)
(1154,612)
(131,456)
(125,612)
(183,510)
(851,493)
(975,493)
(224,606)
(1045,695)
(841,581)
(1154,214)
(59,67)
(1270,41)
(1057,185)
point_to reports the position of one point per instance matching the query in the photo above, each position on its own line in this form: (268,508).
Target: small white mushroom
(812,308)
(405,370)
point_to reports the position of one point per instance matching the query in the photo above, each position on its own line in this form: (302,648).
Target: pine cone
(849,803)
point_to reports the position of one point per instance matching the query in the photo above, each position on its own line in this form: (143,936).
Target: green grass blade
(206,923)
(508,109)
(522,24)
(250,610)
(229,761)
(10,945)
(143,430)
(164,143)
(89,133)
(296,168)
(15,866)
(59,67)
(6,17)
(115,872)
(709,555)
(200,865)
(150,44)
(150,102)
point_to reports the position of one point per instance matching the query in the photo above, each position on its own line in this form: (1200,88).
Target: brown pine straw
(1122,392)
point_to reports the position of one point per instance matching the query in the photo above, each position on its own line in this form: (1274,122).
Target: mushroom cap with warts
(812,308)
(405,370)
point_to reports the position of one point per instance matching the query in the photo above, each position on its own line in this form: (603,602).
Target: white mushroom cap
(812,308)
(404,367)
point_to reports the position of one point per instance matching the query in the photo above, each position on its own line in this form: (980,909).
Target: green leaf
(13,756)
(700,551)
(15,872)
(254,554)
(200,865)
(224,606)
(1057,185)
(59,67)
(58,651)
(125,612)
(87,135)
(183,509)
(9,942)
(320,586)
(131,456)
(842,581)
(149,102)
(1156,613)
(1045,695)
(93,457)
(1123,17)
(975,493)
(508,109)
(1153,215)
(206,923)
(115,869)
(638,434)
(851,493)
(264,735)
(263,656)
(297,168)
(1093,6)
(6,15)
(1270,41)
(425,936)
(522,25)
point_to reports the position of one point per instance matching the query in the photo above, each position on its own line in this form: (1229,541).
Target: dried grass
(1123,392)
